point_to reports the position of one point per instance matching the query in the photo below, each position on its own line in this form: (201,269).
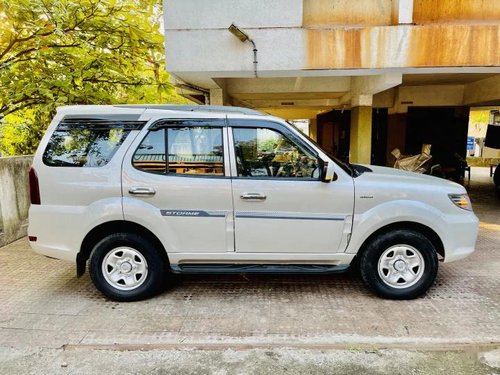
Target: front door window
(262,152)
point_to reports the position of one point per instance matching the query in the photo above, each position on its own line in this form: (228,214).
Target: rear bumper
(56,229)
(54,252)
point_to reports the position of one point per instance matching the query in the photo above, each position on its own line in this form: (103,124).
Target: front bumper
(459,234)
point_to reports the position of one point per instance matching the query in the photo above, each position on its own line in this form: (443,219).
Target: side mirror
(327,174)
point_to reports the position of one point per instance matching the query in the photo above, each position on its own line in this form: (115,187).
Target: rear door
(176,180)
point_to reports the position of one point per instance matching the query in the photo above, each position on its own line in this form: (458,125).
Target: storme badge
(182,213)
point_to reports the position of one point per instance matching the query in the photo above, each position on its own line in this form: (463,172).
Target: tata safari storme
(140,191)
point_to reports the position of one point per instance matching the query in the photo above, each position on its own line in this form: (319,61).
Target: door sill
(208,268)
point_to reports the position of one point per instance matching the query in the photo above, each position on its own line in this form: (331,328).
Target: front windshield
(345,166)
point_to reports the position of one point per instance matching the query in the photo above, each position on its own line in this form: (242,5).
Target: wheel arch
(421,228)
(110,227)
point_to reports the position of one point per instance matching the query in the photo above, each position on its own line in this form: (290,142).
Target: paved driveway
(45,305)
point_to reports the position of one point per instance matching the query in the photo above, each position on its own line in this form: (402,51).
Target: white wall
(221,52)
(219,14)
(14,197)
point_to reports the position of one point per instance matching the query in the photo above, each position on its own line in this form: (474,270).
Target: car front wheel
(401,264)
(126,267)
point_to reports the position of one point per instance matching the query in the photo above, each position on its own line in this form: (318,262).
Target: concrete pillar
(216,97)
(313,129)
(361,135)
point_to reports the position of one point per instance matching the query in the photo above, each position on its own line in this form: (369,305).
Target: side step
(197,268)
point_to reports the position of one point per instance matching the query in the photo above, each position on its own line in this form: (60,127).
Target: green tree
(60,52)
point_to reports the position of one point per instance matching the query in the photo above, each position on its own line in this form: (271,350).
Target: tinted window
(83,147)
(150,155)
(191,150)
(264,152)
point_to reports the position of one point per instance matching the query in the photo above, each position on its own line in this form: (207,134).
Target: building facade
(370,75)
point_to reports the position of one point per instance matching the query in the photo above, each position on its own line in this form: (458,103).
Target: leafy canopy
(60,52)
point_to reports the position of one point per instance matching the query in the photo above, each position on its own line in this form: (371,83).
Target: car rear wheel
(126,267)
(401,264)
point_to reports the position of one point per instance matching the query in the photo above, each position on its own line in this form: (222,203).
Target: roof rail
(195,108)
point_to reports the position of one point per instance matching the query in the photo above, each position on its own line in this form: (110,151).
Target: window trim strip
(98,124)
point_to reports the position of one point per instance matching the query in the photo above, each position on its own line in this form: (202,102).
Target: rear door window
(196,150)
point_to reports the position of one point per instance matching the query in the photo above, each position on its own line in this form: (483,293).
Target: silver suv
(145,190)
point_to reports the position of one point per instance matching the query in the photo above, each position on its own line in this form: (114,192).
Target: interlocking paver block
(44,304)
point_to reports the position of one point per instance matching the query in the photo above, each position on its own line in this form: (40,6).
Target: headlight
(461,200)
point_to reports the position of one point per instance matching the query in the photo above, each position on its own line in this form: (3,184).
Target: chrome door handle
(253,197)
(142,191)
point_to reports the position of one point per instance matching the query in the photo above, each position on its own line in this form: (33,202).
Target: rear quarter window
(86,142)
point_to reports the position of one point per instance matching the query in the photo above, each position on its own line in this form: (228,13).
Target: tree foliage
(60,52)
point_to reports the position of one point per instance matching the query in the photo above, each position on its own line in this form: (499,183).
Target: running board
(207,268)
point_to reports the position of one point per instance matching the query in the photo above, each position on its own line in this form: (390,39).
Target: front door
(176,181)
(280,204)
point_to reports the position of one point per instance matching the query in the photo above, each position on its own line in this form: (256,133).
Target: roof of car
(140,108)
(196,108)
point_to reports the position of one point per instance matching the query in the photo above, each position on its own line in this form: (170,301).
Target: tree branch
(115,82)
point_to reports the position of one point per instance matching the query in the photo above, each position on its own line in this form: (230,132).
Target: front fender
(368,222)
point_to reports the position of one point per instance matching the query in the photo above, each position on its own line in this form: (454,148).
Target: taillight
(34,187)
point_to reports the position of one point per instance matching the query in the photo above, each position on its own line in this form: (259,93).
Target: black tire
(380,249)
(496,179)
(144,255)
